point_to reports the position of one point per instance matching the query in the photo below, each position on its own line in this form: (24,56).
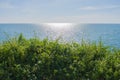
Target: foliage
(35,59)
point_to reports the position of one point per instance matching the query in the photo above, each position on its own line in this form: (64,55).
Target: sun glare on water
(56,30)
(59,25)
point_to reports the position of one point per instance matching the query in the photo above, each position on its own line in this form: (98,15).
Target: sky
(59,11)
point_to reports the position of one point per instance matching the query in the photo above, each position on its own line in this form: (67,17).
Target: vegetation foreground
(35,59)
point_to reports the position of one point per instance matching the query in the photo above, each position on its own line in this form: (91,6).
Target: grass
(35,59)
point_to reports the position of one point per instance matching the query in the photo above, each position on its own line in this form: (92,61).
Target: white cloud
(99,7)
(6,5)
(94,18)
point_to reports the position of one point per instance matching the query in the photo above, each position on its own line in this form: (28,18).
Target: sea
(109,34)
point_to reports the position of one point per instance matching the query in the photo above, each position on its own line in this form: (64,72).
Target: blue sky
(73,11)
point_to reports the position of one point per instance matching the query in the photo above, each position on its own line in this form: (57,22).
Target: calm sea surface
(109,33)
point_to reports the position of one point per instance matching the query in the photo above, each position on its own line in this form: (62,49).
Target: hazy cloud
(5,5)
(80,11)
(99,7)
(93,18)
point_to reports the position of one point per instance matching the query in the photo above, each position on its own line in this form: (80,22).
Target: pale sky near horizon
(70,11)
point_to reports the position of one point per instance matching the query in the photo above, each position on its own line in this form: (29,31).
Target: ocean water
(108,33)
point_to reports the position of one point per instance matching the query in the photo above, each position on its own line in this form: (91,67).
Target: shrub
(35,59)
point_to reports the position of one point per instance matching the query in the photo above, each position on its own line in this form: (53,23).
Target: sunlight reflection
(56,30)
(59,26)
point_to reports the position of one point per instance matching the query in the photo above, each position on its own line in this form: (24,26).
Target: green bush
(35,59)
